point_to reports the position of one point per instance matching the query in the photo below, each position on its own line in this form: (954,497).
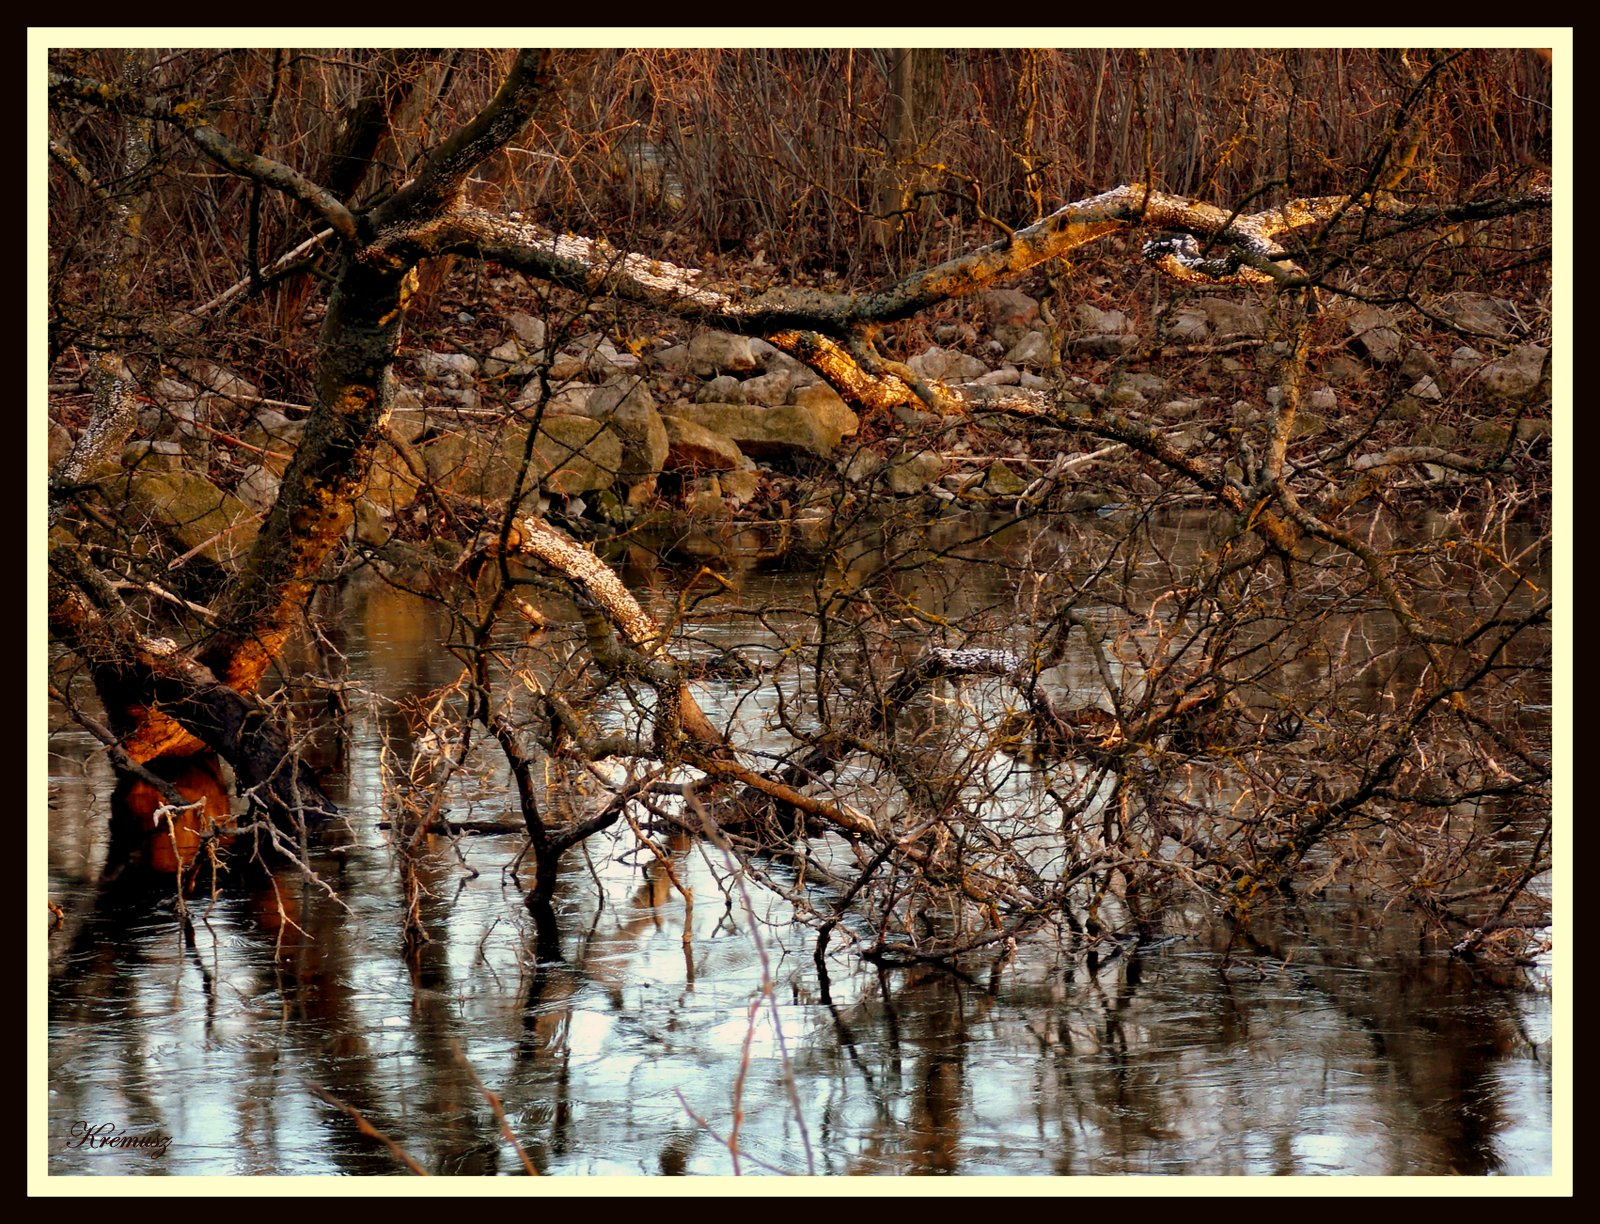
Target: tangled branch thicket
(1230,636)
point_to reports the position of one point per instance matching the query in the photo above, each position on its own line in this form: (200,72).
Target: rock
(723,389)
(572,454)
(1341,368)
(1518,375)
(1181,409)
(909,474)
(832,414)
(1477,312)
(1001,481)
(946,365)
(1033,349)
(511,360)
(1010,313)
(1465,358)
(1323,399)
(190,513)
(1189,325)
(1373,334)
(1425,388)
(862,466)
(1005,376)
(447,369)
(569,399)
(704,496)
(721,353)
(772,388)
(391,480)
(1419,363)
(153,456)
(810,426)
(740,486)
(528,329)
(59,444)
(693,447)
(1432,434)
(1108,344)
(276,435)
(218,379)
(171,391)
(955,333)
(258,488)
(627,406)
(1094,321)
(1307,425)
(1234,319)
(1151,386)
(674,359)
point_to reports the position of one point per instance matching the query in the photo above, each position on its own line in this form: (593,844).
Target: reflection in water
(1331,1045)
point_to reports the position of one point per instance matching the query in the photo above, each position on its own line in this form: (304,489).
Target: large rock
(947,365)
(721,353)
(1373,333)
(1518,375)
(813,425)
(693,447)
(191,513)
(1011,314)
(626,405)
(1234,318)
(1476,312)
(572,454)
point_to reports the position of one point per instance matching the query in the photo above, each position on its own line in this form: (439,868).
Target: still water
(291,1035)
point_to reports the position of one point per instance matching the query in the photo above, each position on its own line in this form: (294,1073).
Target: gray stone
(1005,376)
(1518,375)
(1001,481)
(528,329)
(447,369)
(1033,349)
(770,388)
(909,474)
(1011,314)
(59,444)
(1189,325)
(191,513)
(723,389)
(721,353)
(153,456)
(258,488)
(172,391)
(511,360)
(1425,388)
(674,359)
(1477,312)
(946,365)
(1107,344)
(1374,335)
(1419,363)
(862,466)
(1094,321)
(628,407)
(1341,368)
(218,379)
(573,454)
(1234,318)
